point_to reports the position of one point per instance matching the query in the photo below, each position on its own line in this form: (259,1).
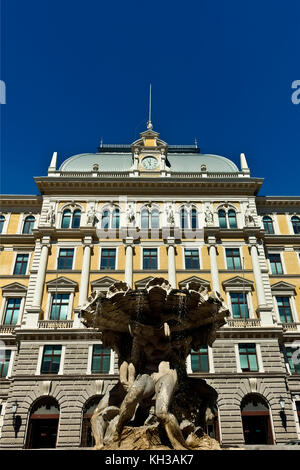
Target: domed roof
(122,161)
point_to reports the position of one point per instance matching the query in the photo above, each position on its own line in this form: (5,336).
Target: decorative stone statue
(91,216)
(249,219)
(50,216)
(130,214)
(153,332)
(209,218)
(170,215)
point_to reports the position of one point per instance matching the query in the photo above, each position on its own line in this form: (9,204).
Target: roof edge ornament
(244,165)
(53,163)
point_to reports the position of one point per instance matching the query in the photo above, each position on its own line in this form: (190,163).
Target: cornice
(282,239)
(146,185)
(221,233)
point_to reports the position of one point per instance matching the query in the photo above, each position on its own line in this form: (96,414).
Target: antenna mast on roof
(149,124)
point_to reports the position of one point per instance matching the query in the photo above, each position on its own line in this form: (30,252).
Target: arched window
(184,218)
(232,218)
(2,220)
(28,224)
(76,218)
(268,224)
(43,424)
(188,218)
(145,218)
(296,224)
(105,219)
(227,219)
(115,218)
(256,420)
(155,218)
(222,218)
(66,219)
(87,439)
(110,218)
(193,218)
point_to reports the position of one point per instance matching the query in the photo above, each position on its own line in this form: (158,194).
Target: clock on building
(149,163)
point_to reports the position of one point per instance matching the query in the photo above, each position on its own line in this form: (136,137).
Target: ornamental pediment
(13,288)
(103,282)
(61,282)
(199,280)
(141,284)
(238,281)
(282,286)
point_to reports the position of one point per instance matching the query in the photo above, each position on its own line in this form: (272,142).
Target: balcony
(55,324)
(7,329)
(243,323)
(290,326)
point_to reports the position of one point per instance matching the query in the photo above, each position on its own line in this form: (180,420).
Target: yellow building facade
(131,213)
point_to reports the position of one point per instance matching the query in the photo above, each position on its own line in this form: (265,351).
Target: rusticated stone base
(152,438)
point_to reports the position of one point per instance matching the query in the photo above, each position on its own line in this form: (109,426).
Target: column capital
(170,241)
(128,241)
(211,240)
(252,240)
(88,241)
(46,241)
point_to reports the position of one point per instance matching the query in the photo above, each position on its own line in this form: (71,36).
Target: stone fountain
(155,405)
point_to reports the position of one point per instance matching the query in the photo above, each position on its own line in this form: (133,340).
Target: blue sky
(221,72)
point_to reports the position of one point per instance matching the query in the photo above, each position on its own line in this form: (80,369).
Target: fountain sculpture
(153,331)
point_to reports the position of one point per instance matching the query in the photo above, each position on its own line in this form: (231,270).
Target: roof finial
(196,143)
(149,123)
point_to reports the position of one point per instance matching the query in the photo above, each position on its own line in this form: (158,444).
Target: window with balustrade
(227,218)
(12,311)
(110,218)
(239,305)
(59,306)
(188,218)
(150,218)
(284,309)
(71,218)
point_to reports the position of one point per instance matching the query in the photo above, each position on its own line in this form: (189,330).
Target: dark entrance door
(43,433)
(256,429)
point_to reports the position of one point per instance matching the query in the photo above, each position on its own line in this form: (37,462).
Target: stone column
(171,263)
(85,272)
(214,264)
(40,279)
(128,261)
(257,273)
(264,311)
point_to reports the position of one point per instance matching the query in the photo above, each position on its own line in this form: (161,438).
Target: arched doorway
(256,420)
(43,424)
(87,439)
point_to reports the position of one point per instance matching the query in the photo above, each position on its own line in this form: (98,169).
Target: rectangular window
(21,264)
(199,360)
(150,258)
(248,358)
(59,307)
(275,263)
(239,305)
(12,311)
(65,258)
(293,360)
(284,309)
(51,360)
(233,258)
(100,359)
(4,361)
(108,258)
(191,258)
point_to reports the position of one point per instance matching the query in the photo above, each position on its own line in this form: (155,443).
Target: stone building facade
(130,213)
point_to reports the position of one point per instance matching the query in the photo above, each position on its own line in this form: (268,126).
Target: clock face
(149,163)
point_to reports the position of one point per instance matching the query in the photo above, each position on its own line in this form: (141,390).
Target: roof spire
(244,165)
(53,163)
(149,123)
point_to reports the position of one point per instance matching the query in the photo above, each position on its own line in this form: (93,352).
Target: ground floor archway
(87,439)
(43,424)
(256,420)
